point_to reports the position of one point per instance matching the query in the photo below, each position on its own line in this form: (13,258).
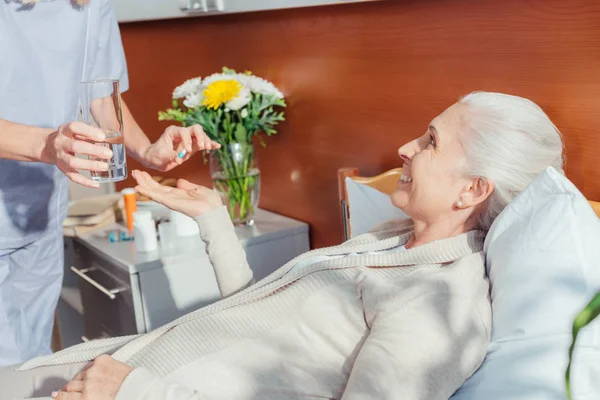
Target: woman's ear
(478,190)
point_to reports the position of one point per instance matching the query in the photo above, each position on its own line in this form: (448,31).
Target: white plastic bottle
(144,231)
(184,225)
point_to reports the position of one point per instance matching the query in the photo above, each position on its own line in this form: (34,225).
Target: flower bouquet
(232,108)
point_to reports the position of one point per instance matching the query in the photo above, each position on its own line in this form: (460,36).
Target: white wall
(135,10)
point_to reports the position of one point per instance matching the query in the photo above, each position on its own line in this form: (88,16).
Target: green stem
(238,183)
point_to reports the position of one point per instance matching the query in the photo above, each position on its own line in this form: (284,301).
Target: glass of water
(100,106)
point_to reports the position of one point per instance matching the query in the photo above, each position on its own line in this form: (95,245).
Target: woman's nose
(407,151)
(403,156)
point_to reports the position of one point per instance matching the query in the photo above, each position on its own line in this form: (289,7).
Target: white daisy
(242,99)
(193,100)
(220,77)
(187,88)
(259,85)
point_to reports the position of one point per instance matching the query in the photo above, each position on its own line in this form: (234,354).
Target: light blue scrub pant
(30,283)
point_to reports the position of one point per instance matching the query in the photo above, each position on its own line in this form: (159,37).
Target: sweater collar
(437,252)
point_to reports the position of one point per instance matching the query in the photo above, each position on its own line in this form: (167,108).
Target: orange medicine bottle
(130,206)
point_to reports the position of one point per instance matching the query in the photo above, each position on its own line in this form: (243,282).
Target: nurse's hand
(176,145)
(187,198)
(74,138)
(100,380)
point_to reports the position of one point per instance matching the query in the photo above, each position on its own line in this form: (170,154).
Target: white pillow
(369,208)
(543,261)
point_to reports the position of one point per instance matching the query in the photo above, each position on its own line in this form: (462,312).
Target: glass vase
(235,175)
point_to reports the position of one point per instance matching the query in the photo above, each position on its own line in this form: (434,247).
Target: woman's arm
(423,350)
(227,256)
(136,141)
(22,142)
(58,147)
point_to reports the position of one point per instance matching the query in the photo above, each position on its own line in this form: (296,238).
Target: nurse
(46,48)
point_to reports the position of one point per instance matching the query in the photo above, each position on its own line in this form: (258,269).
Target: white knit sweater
(409,325)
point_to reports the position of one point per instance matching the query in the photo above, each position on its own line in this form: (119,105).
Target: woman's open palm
(187,198)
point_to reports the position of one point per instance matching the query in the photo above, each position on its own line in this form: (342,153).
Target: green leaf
(171,115)
(589,313)
(240,133)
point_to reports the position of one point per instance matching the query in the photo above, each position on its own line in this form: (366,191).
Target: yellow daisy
(220,92)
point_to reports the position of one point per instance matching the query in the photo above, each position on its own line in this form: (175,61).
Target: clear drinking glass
(100,106)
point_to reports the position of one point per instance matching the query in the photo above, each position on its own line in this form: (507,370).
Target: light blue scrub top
(45,51)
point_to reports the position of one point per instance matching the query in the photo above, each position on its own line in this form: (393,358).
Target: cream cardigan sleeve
(226,254)
(420,350)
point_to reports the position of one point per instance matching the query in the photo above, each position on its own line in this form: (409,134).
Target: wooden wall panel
(363,79)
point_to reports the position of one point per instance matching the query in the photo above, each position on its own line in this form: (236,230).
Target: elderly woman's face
(431,183)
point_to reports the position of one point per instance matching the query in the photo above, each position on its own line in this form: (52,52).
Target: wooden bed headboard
(385,183)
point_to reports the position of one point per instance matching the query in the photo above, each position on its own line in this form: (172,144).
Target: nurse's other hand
(100,380)
(74,138)
(187,198)
(176,145)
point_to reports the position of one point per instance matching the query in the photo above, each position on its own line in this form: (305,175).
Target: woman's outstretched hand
(187,198)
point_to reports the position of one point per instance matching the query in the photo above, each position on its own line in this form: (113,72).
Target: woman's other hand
(187,198)
(75,138)
(100,380)
(176,145)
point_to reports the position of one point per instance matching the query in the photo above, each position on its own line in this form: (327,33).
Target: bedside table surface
(267,226)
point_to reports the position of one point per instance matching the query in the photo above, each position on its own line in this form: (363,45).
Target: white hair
(508,140)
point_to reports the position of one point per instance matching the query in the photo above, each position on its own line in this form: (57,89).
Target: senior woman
(399,313)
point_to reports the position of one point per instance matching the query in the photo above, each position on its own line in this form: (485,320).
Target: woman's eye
(431,141)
